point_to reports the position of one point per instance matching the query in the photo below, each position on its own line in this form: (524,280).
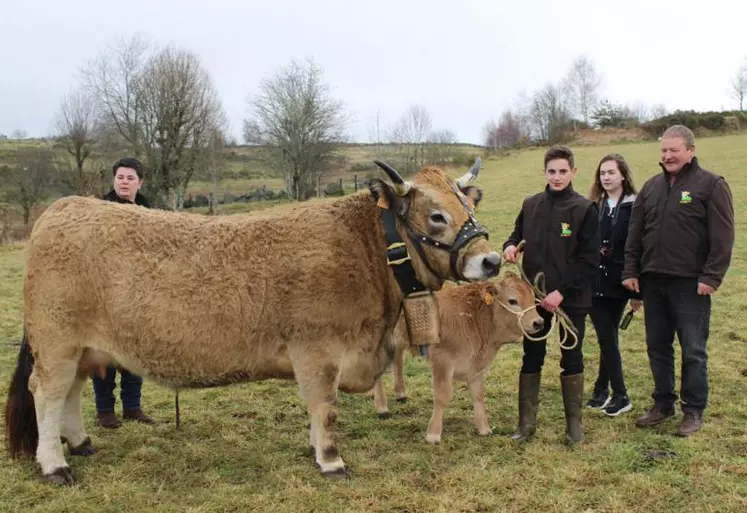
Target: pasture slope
(243,448)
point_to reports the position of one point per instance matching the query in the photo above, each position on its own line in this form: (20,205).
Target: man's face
(675,154)
(559,174)
(126,183)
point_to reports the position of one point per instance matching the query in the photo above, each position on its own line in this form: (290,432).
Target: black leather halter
(399,259)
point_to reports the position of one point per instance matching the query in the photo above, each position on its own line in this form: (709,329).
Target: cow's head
(514,297)
(435,219)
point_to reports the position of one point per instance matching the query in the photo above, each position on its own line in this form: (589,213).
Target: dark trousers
(605,316)
(571,361)
(672,305)
(129,385)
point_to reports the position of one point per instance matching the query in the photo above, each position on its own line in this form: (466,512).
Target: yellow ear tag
(383,203)
(488,298)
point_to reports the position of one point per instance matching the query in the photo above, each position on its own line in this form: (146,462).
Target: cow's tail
(21,432)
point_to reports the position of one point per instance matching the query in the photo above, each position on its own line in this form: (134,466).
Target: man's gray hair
(683,133)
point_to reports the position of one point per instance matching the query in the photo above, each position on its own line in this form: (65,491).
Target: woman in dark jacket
(614,193)
(127,183)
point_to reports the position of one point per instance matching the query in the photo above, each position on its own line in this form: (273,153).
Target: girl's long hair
(597,192)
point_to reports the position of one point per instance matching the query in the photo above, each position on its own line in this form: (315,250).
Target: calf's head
(514,297)
(435,218)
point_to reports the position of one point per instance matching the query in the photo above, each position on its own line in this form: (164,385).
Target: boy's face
(559,174)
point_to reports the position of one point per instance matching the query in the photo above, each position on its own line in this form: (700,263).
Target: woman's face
(611,177)
(127,183)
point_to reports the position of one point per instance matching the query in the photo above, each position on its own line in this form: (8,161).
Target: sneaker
(599,400)
(619,404)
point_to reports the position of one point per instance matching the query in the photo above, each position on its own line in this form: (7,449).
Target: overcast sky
(464,60)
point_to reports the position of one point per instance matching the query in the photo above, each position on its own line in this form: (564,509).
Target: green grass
(242,448)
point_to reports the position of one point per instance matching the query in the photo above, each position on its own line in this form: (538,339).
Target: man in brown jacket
(678,250)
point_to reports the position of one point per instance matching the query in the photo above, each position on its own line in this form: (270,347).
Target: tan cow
(196,301)
(476,320)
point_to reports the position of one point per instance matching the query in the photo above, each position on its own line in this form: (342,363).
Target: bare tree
(299,125)
(549,114)
(442,137)
(506,133)
(374,133)
(739,86)
(160,106)
(19,134)
(409,135)
(181,112)
(28,182)
(659,110)
(412,127)
(114,80)
(584,84)
(76,130)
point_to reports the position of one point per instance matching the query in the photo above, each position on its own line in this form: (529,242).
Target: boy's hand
(552,301)
(509,254)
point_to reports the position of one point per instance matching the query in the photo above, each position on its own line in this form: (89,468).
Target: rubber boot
(529,387)
(573,403)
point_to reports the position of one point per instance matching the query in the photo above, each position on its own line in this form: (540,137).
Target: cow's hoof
(84,449)
(338,473)
(401,399)
(486,432)
(433,439)
(385,415)
(60,477)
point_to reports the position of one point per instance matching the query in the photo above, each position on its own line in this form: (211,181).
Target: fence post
(355,182)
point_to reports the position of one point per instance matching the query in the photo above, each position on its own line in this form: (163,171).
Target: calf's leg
(442,376)
(477,390)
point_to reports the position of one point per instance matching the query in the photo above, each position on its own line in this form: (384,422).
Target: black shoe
(599,400)
(619,404)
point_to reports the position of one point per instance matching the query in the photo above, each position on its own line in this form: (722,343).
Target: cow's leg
(318,381)
(399,375)
(73,429)
(477,390)
(380,403)
(442,376)
(50,385)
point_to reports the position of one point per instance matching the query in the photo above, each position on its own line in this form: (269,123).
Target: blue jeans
(672,305)
(129,384)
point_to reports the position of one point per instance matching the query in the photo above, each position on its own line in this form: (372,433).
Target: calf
(476,320)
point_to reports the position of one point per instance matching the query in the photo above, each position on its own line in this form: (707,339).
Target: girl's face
(611,177)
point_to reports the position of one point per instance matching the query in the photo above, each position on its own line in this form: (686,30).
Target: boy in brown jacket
(560,228)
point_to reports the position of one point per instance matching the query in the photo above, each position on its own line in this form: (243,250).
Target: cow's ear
(473,194)
(383,193)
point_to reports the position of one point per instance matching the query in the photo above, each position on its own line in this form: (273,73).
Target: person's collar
(568,191)
(687,168)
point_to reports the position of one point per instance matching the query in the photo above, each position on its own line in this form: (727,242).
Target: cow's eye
(438,218)
(513,302)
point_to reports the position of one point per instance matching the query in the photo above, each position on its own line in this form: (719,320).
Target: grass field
(243,448)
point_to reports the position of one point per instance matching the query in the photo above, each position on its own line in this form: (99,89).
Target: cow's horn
(470,175)
(400,185)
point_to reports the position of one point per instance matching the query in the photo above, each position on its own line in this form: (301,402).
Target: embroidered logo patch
(686,198)
(565,230)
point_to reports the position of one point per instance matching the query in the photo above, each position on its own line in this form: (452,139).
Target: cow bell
(422,318)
